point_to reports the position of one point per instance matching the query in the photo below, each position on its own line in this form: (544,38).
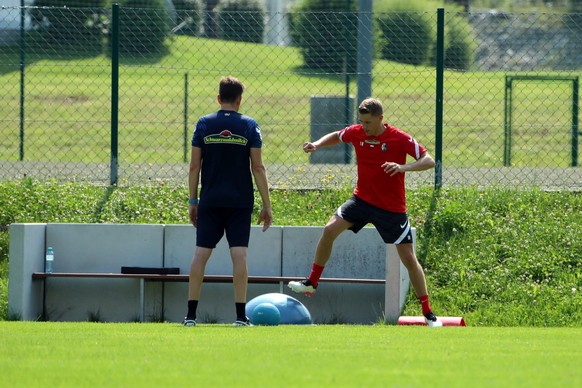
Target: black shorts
(394,228)
(214,221)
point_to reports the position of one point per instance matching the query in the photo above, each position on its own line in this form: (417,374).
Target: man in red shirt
(379,197)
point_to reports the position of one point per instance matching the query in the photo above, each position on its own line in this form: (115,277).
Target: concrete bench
(364,282)
(280,280)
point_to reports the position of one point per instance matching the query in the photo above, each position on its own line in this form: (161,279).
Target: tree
(210,25)
(188,12)
(144,26)
(463,3)
(574,20)
(326,33)
(69,25)
(242,20)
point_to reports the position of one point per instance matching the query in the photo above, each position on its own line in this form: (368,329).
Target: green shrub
(69,25)
(188,12)
(326,34)
(242,21)
(461,45)
(144,25)
(408,36)
(574,17)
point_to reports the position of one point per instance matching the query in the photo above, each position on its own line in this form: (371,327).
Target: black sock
(241,315)
(192,306)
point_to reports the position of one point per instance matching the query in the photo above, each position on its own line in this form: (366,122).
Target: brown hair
(230,89)
(372,106)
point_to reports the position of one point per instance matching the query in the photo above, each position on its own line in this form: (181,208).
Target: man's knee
(334,228)
(407,255)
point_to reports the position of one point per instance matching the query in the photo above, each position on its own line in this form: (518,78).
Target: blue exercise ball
(292,311)
(265,314)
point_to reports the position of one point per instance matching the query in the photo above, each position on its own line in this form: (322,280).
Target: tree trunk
(210,20)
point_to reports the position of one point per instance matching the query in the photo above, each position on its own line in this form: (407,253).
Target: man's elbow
(258,169)
(194,168)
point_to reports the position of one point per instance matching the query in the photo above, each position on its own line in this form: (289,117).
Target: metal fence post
(575,132)
(440,65)
(507,121)
(347,118)
(185,117)
(365,50)
(114,94)
(22,68)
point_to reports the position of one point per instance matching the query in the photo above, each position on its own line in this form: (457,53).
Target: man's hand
(266,217)
(193,214)
(309,147)
(392,168)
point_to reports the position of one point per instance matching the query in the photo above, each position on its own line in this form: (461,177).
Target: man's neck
(233,107)
(380,130)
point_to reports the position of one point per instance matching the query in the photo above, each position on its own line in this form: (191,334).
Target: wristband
(192,201)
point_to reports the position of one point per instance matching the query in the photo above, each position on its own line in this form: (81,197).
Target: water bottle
(50,258)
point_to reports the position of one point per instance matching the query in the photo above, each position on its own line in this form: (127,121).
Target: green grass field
(92,354)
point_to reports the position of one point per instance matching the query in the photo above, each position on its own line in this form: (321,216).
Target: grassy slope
(497,257)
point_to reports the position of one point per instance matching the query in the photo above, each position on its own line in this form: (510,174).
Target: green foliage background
(188,11)
(496,256)
(242,20)
(326,33)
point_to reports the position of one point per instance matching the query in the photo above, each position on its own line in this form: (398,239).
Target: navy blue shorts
(394,228)
(213,222)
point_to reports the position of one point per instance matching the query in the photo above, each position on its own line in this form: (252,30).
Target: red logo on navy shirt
(225,133)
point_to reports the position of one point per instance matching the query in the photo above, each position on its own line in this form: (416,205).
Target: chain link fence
(72,109)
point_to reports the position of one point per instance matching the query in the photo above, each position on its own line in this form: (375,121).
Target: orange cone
(419,321)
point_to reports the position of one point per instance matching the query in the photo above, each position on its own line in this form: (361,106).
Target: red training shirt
(374,185)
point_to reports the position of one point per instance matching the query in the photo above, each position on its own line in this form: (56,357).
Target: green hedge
(143,30)
(242,21)
(408,36)
(69,25)
(460,45)
(326,34)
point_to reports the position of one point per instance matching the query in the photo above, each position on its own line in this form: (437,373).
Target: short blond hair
(372,106)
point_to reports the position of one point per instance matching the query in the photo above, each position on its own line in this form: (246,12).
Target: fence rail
(74,110)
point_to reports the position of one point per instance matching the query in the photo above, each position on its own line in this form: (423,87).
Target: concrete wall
(282,250)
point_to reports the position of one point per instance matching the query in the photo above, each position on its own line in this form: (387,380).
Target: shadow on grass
(102,203)
(36,49)
(427,230)
(320,74)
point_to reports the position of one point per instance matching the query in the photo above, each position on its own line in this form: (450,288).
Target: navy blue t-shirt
(226,138)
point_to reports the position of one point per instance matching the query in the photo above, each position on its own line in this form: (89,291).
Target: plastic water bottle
(50,258)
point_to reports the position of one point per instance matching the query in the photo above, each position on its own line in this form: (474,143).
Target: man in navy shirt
(226,150)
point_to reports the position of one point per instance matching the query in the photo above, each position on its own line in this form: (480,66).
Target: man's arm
(328,140)
(423,163)
(193,178)
(260,174)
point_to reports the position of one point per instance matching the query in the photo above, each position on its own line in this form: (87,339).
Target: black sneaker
(303,287)
(432,320)
(189,322)
(243,322)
